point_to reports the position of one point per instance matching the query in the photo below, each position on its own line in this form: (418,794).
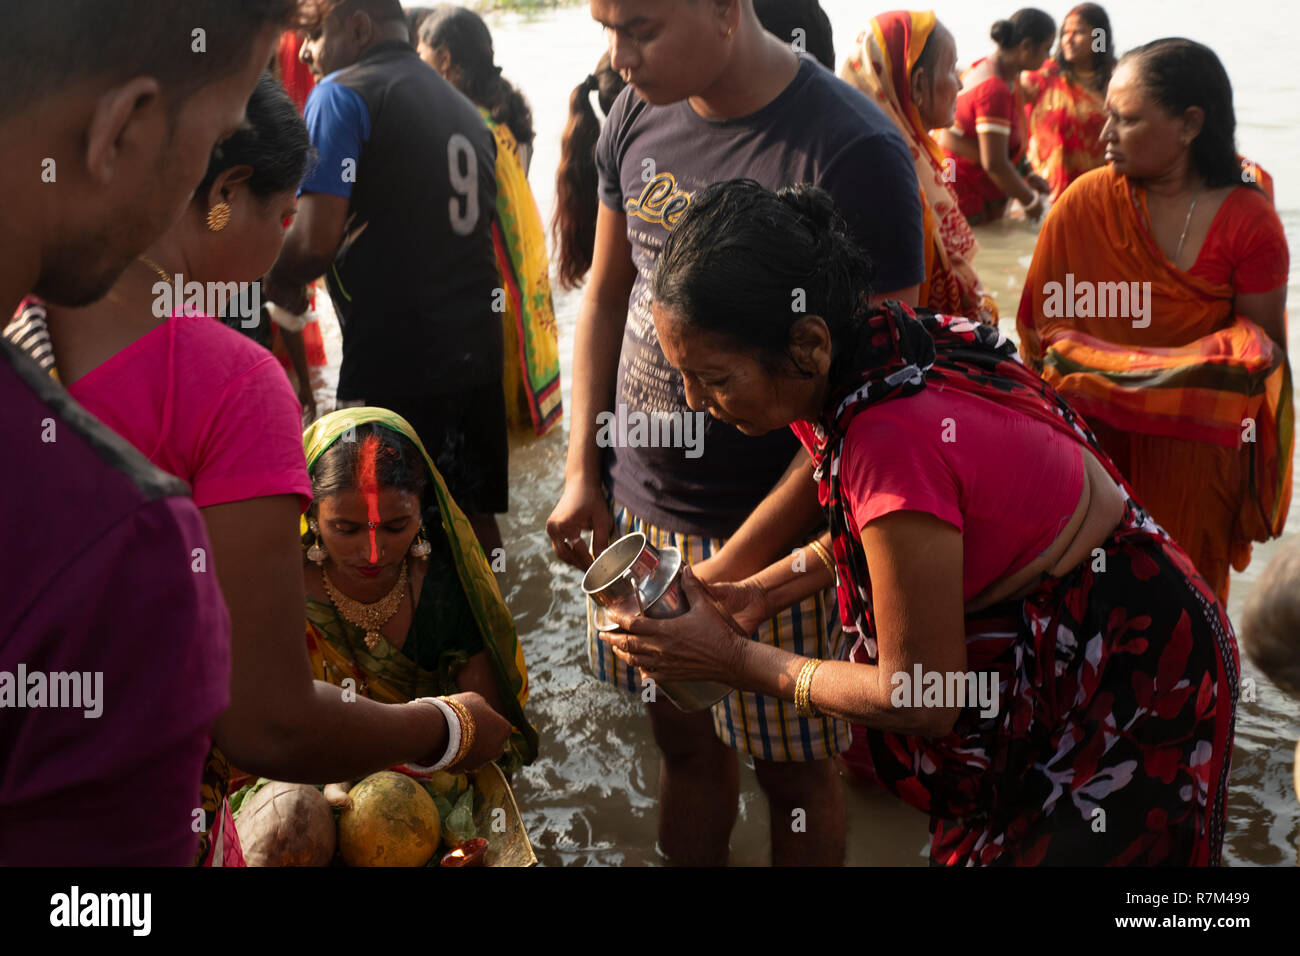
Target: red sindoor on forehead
(368,484)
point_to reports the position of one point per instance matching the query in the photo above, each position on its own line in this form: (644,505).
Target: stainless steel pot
(635,577)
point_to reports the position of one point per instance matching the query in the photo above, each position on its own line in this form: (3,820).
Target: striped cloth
(764,727)
(28,331)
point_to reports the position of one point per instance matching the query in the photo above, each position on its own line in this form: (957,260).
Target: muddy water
(591,797)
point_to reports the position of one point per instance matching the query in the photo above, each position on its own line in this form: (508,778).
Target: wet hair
(273,141)
(49,45)
(415,17)
(576,204)
(466,38)
(782,17)
(1179,74)
(1103,62)
(1029,24)
(740,254)
(398,463)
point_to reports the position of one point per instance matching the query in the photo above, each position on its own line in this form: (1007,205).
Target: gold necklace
(369,617)
(156,268)
(1186,222)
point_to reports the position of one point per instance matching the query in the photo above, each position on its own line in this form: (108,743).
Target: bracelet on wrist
(824,556)
(455,733)
(803,705)
(466,720)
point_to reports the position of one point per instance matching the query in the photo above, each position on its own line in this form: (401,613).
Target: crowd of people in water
(892,500)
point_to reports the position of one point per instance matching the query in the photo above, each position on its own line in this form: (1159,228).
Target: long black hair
(1179,74)
(467,39)
(576,204)
(1029,24)
(274,141)
(1103,60)
(747,263)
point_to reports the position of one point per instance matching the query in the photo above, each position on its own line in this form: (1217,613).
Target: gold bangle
(819,549)
(466,729)
(803,689)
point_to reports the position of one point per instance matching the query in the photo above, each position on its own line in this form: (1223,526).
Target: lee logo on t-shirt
(660,201)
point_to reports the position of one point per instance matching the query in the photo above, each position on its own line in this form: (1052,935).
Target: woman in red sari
(1065,99)
(986,144)
(980,537)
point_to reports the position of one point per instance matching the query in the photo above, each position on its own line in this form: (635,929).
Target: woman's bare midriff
(1100,508)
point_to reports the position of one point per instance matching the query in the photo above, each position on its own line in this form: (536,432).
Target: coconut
(286,824)
(392,822)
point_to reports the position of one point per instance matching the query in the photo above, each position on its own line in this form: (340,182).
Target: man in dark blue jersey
(397,214)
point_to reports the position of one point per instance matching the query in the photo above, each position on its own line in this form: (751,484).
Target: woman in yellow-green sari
(401,602)
(457,43)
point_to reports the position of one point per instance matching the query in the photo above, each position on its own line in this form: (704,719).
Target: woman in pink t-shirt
(212,407)
(1041,667)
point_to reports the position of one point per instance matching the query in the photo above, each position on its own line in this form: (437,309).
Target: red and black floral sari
(1118,681)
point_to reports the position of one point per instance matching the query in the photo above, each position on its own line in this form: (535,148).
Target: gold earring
(316,553)
(421,547)
(219,216)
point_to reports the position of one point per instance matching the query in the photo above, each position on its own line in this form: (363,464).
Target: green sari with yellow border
(338,650)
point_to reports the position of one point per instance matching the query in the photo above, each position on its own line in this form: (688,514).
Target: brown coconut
(286,824)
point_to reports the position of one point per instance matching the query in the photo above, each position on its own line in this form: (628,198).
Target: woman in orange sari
(1156,304)
(907,63)
(1065,99)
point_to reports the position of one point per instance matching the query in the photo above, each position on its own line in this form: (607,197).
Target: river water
(591,796)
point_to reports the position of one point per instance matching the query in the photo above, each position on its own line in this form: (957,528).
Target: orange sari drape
(1193,398)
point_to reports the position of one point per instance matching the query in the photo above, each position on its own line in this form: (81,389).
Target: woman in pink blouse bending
(1041,667)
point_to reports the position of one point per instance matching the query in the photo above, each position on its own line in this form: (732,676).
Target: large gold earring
(316,553)
(421,547)
(219,216)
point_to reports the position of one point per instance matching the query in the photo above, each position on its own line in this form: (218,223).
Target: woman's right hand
(745,601)
(581,508)
(491,732)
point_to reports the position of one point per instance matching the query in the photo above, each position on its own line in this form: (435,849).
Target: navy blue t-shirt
(651,159)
